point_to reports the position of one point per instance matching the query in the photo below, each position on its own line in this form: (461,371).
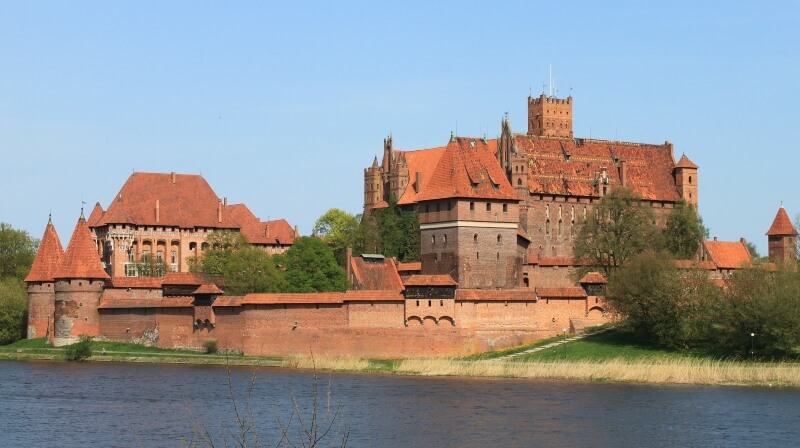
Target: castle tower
(79,283)
(41,285)
(515,164)
(685,173)
(469,216)
(549,116)
(398,176)
(782,239)
(373,187)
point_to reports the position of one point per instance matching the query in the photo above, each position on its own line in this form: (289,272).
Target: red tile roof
(727,254)
(186,278)
(422,161)
(135,282)
(468,169)
(167,199)
(430,280)
(48,256)
(376,274)
(691,264)
(172,302)
(556,293)
(228,301)
(570,166)
(207,289)
(781,225)
(276,232)
(593,278)
(684,162)
(289,298)
(373,296)
(81,259)
(410,266)
(95,216)
(495,295)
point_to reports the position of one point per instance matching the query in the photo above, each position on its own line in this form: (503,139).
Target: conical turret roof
(81,259)
(684,162)
(48,256)
(782,225)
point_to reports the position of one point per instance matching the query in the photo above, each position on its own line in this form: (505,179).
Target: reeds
(326,363)
(661,371)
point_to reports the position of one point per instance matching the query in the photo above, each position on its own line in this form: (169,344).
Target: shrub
(210,346)
(80,350)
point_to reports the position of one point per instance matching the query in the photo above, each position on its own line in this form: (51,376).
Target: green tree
(764,303)
(753,250)
(394,232)
(245,268)
(150,267)
(683,231)
(617,229)
(659,303)
(13,309)
(311,267)
(17,250)
(339,230)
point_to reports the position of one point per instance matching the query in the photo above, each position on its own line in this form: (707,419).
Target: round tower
(41,285)
(79,283)
(685,173)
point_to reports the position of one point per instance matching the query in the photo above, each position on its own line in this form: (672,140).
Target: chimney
(296,232)
(623,174)
(158,211)
(266,230)
(715,238)
(417,182)
(225,201)
(173,178)
(219,211)
(742,240)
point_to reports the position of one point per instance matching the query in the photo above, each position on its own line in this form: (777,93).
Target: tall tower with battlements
(549,116)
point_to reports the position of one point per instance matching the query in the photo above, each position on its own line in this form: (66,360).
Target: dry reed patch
(326,363)
(657,371)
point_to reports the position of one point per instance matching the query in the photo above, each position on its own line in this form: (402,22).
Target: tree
(618,228)
(394,233)
(753,250)
(17,250)
(660,304)
(683,231)
(763,303)
(13,309)
(311,267)
(245,268)
(339,230)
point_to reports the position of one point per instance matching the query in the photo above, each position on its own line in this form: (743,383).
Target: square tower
(549,116)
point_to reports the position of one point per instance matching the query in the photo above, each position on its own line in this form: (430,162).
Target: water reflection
(117,405)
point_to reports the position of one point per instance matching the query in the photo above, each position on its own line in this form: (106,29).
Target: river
(130,405)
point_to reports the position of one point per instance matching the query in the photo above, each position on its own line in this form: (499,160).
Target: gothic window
(519,181)
(433,239)
(499,238)
(475,238)
(559,228)
(547,227)
(444,239)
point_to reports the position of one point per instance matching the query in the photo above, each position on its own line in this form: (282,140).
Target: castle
(497,221)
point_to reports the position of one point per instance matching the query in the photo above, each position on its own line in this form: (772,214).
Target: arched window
(499,238)
(475,238)
(444,239)
(433,239)
(519,181)
(547,227)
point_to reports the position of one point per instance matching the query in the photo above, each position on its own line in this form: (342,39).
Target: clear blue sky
(281,105)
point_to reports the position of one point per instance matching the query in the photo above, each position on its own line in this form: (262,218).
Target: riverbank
(568,360)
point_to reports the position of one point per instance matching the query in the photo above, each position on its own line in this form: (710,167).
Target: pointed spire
(81,260)
(48,256)
(781,225)
(684,162)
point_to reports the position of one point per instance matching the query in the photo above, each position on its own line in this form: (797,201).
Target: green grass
(604,346)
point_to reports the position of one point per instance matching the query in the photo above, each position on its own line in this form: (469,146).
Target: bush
(79,351)
(210,346)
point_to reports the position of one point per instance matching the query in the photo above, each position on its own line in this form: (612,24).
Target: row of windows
(474,238)
(488,207)
(477,256)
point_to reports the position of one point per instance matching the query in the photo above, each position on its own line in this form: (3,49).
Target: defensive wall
(375,324)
